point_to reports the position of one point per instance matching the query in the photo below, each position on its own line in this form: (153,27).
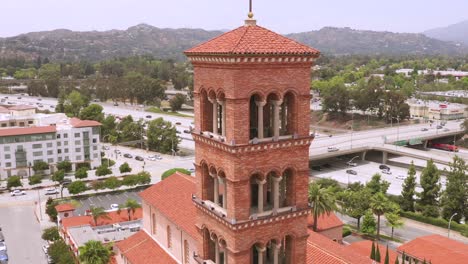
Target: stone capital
(212,100)
(260,182)
(260,249)
(260,103)
(277,102)
(277,179)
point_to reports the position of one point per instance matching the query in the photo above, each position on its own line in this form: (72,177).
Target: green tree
(322,201)
(35,179)
(379,205)
(103,170)
(393,217)
(108,127)
(387,258)
(81,173)
(455,196)
(336,97)
(131,206)
(50,73)
(50,209)
(65,165)
(169,172)
(92,112)
(98,212)
(372,255)
(377,253)
(408,191)
(40,166)
(177,101)
(60,253)
(376,184)
(77,187)
(51,234)
(74,102)
(94,252)
(355,203)
(162,136)
(368,223)
(112,183)
(125,168)
(14,181)
(58,176)
(428,198)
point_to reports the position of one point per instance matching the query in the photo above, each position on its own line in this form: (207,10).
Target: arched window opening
(286,185)
(286,125)
(261,193)
(222,190)
(206,108)
(208,183)
(254,106)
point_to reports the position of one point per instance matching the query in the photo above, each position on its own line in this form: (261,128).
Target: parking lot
(336,169)
(106,200)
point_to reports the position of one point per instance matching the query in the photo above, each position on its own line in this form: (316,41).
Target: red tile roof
(114,217)
(140,248)
(76,122)
(436,249)
(27,131)
(364,248)
(64,207)
(321,250)
(325,221)
(252,40)
(177,188)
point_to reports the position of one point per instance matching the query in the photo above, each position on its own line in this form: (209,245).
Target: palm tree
(379,205)
(131,206)
(321,200)
(98,212)
(94,252)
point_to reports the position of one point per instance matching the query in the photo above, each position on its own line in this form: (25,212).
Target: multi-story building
(55,140)
(434,110)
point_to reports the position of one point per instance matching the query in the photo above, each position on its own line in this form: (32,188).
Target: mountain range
(143,39)
(456,33)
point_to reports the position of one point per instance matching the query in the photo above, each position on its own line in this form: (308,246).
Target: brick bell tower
(252,104)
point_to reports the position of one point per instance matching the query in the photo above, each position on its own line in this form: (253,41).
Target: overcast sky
(286,16)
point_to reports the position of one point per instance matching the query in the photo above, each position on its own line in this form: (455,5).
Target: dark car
(326,165)
(3,256)
(148,116)
(126,155)
(139,158)
(186,131)
(384,167)
(353,172)
(66,182)
(317,168)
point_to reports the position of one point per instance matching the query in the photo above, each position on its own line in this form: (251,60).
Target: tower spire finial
(250,20)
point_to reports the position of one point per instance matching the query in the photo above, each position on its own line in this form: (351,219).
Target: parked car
(127,155)
(148,116)
(192,170)
(45,248)
(66,181)
(353,172)
(352,164)
(439,127)
(424,129)
(3,257)
(178,123)
(117,151)
(51,191)
(114,206)
(139,158)
(384,167)
(401,177)
(388,172)
(186,131)
(3,246)
(153,157)
(332,149)
(17,193)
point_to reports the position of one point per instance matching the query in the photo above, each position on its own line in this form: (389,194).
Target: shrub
(40,166)
(60,253)
(83,165)
(125,168)
(130,180)
(98,185)
(440,222)
(81,173)
(112,183)
(58,176)
(77,187)
(51,234)
(144,177)
(104,162)
(50,209)
(103,170)
(346,231)
(36,179)
(172,171)
(65,165)
(14,181)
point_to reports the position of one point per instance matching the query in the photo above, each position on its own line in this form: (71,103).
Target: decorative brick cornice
(243,60)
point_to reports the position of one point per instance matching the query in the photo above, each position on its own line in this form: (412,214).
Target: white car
(51,191)
(387,172)
(332,149)
(114,206)
(401,177)
(17,192)
(45,248)
(151,157)
(3,246)
(352,164)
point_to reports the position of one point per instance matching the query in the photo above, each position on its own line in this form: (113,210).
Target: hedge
(172,171)
(440,222)
(129,180)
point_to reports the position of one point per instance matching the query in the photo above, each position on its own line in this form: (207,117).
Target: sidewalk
(455,235)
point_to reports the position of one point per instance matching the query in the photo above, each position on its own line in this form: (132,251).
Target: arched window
(186,252)
(153,223)
(254,105)
(287,115)
(169,237)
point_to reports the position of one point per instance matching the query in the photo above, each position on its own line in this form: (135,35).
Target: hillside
(67,45)
(456,33)
(343,41)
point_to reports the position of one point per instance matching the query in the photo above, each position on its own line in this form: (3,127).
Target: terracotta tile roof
(140,248)
(325,221)
(173,198)
(364,248)
(436,249)
(76,122)
(27,131)
(64,207)
(114,218)
(252,40)
(322,250)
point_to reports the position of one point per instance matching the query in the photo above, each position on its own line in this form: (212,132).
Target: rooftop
(113,218)
(437,249)
(364,248)
(64,207)
(177,187)
(75,122)
(252,40)
(16,131)
(142,249)
(325,221)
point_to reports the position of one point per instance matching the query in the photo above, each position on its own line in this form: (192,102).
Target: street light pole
(448,233)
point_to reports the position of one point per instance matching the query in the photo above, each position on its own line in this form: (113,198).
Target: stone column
(216,252)
(276,181)
(283,119)
(260,184)
(260,105)
(276,118)
(223,117)
(215,115)
(276,249)
(216,188)
(261,251)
